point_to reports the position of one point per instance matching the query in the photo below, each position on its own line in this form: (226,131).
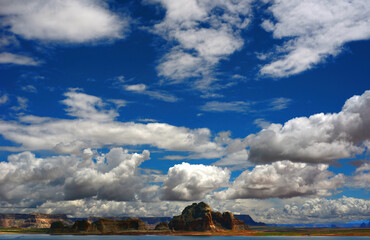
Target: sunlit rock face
(200,217)
(33,220)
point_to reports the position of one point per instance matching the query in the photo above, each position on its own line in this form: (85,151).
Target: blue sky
(141,107)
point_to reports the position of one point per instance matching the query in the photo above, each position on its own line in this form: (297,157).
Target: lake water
(91,237)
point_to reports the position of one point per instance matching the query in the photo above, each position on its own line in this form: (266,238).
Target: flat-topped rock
(101,226)
(200,217)
(32,220)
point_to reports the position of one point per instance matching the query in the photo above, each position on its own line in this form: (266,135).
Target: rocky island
(197,217)
(200,217)
(102,226)
(32,220)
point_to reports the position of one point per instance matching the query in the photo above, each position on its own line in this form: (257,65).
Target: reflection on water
(91,237)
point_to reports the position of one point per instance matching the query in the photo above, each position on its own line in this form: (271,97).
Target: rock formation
(101,226)
(162,226)
(107,225)
(59,227)
(151,222)
(200,217)
(33,220)
(81,226)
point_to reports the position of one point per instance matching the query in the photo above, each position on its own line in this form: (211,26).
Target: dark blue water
(70,237)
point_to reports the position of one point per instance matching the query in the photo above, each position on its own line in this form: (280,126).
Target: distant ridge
(32,220)
(248,220)
(357,224)
(40,220)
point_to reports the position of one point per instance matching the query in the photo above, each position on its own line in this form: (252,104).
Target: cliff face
(227,220)
(101,226)
(107,225)
(33,220)
(162,226)
(200,217)
(196,217)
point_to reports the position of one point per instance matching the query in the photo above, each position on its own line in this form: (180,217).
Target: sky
(138,108)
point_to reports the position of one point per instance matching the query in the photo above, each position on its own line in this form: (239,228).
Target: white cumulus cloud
(193,181)
(65,21)
(345,209)
(361,177)
(204,32)
(312,31)
(111,176)
(86,106)
(283,179)
(95,127)
(318,138)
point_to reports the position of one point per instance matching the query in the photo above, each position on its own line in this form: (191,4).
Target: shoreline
(363,232)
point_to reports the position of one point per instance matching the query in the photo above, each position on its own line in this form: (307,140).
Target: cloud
(274,104)
(317,210)
(143,89)
(85,106)
(192,182)
(29,88)
(26,177)
(34,119)
(63,21)
(235,160)
(361,178)
(283,179)
(318,138)
(111,176)
(147,120)
(297,210)
(236,155)
(115,178)
(105,208)
(345,209)
(279,103)
(203,33)
(363,167)
(4,99)
(136,87)
(118,102)
(313,30)
(22,104)
(112,184)
(69,136)
(262,123)
(10,58)
(231,152)
(94,126)
(7,40)
(216,106)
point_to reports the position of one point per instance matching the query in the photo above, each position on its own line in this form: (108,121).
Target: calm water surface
(69,237)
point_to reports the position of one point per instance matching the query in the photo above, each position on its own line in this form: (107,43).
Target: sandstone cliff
(162,226)
(102,226)
(33,220)
(200,217)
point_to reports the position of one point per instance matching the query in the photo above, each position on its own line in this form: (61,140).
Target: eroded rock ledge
(200,217)
(197,217)
(98,227)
